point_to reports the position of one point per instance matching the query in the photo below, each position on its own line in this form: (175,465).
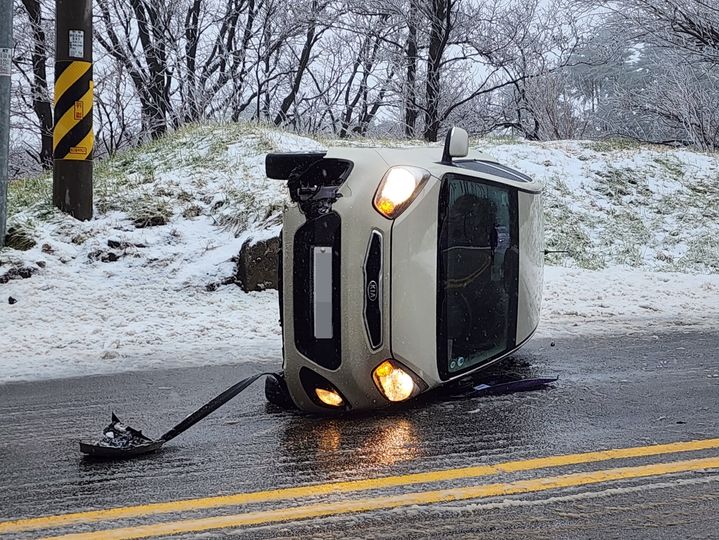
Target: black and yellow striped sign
(73,137)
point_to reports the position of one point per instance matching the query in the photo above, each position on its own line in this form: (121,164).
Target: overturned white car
(401,270)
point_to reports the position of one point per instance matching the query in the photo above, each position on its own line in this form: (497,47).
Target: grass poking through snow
(608,202)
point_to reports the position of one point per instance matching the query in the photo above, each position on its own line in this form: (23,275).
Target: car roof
(483,166)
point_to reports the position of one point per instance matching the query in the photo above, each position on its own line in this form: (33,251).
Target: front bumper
(336,295)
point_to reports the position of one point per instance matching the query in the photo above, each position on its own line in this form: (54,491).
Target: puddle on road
(438,427)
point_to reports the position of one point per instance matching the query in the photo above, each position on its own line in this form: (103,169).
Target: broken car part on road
(121,441)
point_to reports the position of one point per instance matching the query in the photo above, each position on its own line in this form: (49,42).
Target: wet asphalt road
(612,393)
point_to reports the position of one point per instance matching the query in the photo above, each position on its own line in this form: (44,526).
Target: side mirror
(456,144)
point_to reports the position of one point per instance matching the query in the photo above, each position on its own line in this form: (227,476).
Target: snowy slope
(114,294)
(645,207)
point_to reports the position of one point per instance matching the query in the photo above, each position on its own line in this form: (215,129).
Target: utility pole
(6,48)
(73,136)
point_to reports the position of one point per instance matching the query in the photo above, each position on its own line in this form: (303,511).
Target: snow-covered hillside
(144,284)
(649,208)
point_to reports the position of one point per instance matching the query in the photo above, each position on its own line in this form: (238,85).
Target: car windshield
(477,272)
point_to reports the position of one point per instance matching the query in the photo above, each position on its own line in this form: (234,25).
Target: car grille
(316,290)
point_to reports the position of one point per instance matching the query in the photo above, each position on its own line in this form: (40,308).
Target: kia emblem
(372,291)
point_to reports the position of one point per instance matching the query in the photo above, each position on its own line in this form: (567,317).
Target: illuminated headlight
(329,397)
(394,382)
(399,187)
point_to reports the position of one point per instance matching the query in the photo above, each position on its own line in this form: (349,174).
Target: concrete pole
(6,49)
(73,136)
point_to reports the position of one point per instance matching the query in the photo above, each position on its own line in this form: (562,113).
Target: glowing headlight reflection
(399,186)
(329,397)
(395,383)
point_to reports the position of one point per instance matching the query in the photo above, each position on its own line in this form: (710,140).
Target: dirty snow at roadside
(145,284)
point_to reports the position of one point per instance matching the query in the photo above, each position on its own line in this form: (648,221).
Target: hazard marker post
(73,136)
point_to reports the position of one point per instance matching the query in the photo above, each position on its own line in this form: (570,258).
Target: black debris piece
(116,244)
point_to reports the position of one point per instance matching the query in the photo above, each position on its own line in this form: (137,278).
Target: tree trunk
(41,103)
(155,102)
(410,111)
(439,34)
(192,35)
(310,39)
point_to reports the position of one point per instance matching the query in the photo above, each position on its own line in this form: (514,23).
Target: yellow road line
(385,503)
(351,486)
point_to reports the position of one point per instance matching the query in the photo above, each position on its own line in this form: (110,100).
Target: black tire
(277,393)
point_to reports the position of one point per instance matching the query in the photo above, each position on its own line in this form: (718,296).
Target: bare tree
(690,25)
(33,70)
(440,14)
(411,112)
(136,33)
(116,126)
(664,89)
(315,28)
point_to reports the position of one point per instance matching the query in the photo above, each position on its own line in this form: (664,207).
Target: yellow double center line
(376,503)
(386,503)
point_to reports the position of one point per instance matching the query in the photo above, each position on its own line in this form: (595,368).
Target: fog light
(395,383)
(329,397)
(399,187)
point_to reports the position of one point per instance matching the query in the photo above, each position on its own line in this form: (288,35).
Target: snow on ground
(623,301)
(143,284)
(104,323)
(66,324)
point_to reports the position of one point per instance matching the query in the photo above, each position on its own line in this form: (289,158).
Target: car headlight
(321,391)
(329,397)
(394,382)
(399,187)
